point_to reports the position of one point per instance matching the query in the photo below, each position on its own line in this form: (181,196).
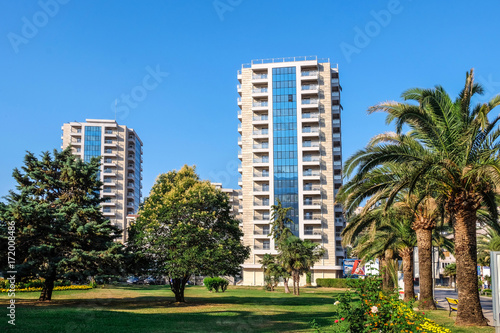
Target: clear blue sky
(86,54)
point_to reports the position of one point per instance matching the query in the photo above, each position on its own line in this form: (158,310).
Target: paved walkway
(441,294)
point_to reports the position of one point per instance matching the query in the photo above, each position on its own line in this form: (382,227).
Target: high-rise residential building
(234,199)
(291,150)
(120,149)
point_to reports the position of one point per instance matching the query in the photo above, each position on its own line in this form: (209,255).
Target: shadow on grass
(89,320)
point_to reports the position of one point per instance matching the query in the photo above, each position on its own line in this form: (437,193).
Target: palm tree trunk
(383,272)
(407,255)
(285,282)
(298,284)
(389,283)
(424,243)
(469,307)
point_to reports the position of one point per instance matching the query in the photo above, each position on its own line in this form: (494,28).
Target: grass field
(152,309)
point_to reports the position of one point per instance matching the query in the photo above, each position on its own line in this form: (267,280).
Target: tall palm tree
(388,185)
(486,243)
(461,157)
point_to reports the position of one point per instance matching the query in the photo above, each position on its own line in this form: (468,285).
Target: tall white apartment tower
(120,149)
(291,150)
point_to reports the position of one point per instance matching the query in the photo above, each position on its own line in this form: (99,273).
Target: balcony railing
(261,189)
(259,90)
(261,174)
(309,73)
(307,144)
(310,101)
(261,146)
(310,87)
(310,130)
(258,118)
(264,131)
(312,203)
(263,232)
(261,217)
(312,173)
(239,112)
(310,115)
(312,188)
(311,232)
(261,160)
(259,76)
(311,218)
(261,203)
(260,104)
(309,158)
(262,247)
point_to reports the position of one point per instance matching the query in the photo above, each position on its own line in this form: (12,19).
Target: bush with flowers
(371,310)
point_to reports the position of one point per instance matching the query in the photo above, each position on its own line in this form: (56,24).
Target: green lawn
(152,309)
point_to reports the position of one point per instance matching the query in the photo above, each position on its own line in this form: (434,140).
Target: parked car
(132,280)
(150,280)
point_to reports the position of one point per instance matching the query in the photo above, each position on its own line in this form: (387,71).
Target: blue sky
(79,58)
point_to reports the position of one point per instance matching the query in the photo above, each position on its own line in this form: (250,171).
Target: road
(441,294)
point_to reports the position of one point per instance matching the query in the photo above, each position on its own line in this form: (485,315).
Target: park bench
(453,304)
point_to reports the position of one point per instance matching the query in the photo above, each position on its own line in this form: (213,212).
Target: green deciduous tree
(185,227)
(60,231)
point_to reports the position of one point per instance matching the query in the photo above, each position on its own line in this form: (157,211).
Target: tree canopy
(185,227)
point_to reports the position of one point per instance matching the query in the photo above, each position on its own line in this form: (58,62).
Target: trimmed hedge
(215,284)
(5,284)
(333,283)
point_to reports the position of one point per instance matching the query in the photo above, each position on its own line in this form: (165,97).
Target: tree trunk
(285,282)
(469,307)
(383,272)
(178,286)
(294,279)
(48,287)
(298,284)
(407,255)
(424,243)
(388,281)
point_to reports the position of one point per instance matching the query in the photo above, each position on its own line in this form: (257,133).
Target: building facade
(120,149)
(290,149)
(234,199)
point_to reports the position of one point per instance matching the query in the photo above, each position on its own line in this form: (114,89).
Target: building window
(78,150)
(285,142)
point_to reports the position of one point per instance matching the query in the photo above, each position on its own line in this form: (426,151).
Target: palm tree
(461,157)
(388,185)
(298,258)
(486,243)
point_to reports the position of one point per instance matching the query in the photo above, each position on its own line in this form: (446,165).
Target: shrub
(215,283)
(333,283)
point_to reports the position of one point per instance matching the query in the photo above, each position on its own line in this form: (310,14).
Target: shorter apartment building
(120,150)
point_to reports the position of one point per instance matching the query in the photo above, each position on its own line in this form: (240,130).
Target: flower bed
(378,312)
(59,288)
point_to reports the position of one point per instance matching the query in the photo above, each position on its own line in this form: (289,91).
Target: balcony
(240,154)
(312,220)
(110,133)
(260,105)
(259,77)
(261,218)
(261,204)
(336,109)
(311,160)
(311,174)
(259,92)
(77,142)
(260,190)
(239,128)
(130,185)
(310,131)
(312,204)
(310,117)
(312,189)
(310,145)
(336,122)
(310,88)
(337,164)
(261,133)
(261,146)
(238,88)
(240,76)
(310,103)
(240,143)
(335,94)
(336,136)
(339,222)
(264,232)
(312,234)
(110,153)
(335,81)
(260,176)
(239,101)
(239,115)
(77,132)
(263,119)
(309,74)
